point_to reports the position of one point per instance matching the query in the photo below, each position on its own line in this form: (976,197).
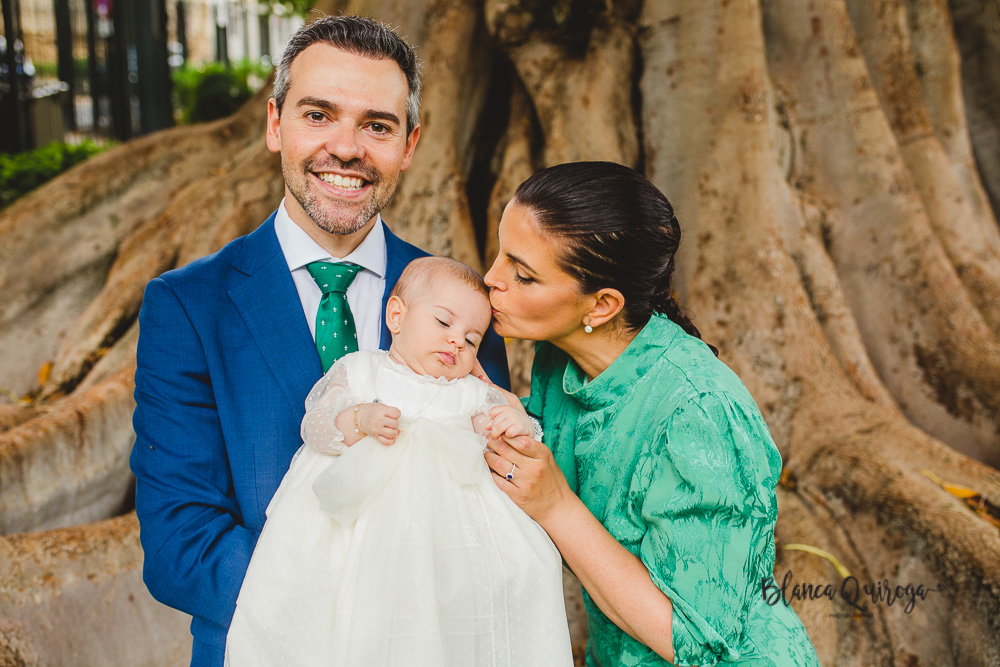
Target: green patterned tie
(336,334)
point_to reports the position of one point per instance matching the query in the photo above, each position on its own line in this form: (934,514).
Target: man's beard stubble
(328,216)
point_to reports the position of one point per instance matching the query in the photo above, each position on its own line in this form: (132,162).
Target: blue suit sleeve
(493,358)
(196,549)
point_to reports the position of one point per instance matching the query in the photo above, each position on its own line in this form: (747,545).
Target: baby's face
(441,327)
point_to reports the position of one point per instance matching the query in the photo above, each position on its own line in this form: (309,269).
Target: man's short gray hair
(360,36)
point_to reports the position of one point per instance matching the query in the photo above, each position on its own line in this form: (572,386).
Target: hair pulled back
(619,231)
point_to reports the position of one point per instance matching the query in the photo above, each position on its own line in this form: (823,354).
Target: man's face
(342,137)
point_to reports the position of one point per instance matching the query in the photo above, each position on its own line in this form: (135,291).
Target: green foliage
(211,90)
(22,172)
(47,70)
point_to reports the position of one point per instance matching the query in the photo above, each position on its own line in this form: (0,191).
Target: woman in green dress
(656,480)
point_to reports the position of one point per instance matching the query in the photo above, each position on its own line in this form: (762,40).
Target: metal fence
(71,69)
(79,68)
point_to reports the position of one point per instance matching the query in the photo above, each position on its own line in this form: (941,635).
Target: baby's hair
(421,271)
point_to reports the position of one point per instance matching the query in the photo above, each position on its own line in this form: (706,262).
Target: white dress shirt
(364,295)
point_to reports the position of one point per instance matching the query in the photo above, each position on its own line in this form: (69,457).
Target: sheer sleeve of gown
(491,398)
(328,398)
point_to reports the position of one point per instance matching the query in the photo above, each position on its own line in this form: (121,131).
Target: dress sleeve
(491,399)
(481,416)
(328,398)
(705,492)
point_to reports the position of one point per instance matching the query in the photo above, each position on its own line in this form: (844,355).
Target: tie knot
(333,277)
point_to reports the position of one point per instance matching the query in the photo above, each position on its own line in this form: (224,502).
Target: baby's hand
(509,421)
(380,421)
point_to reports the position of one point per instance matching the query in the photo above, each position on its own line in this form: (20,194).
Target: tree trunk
(834,168)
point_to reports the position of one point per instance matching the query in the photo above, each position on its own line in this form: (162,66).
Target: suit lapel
(270,307)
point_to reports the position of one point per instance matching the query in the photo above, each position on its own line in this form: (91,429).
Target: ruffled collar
(406,371)
(620,377)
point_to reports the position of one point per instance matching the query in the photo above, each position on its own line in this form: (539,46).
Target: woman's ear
(608,302)
(394,310)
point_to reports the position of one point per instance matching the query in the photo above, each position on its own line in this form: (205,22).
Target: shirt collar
(299,249)
(620,377)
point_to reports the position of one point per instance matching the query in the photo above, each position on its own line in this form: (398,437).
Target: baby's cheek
(467,361)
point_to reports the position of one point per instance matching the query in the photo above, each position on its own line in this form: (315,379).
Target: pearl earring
(588,328)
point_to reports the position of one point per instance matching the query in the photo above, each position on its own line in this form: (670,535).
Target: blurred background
(111,69)
(79,75)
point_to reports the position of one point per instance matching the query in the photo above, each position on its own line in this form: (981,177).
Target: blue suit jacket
(225,361)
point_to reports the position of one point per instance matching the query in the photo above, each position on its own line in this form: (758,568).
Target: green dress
(669,451)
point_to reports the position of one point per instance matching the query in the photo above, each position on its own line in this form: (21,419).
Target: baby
(445,321)
(388,543)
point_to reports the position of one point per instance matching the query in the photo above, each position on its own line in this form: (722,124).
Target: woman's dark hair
(619,230)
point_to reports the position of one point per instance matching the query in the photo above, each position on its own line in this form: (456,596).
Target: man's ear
(273,127)
(411,145)
(608,302)
(394,310)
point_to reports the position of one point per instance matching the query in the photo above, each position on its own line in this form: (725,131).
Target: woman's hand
(525,470)
(617,581)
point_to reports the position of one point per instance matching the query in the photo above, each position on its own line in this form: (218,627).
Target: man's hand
(510,421)
(378,420)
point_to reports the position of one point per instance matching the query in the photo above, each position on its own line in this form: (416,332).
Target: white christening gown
(398,556)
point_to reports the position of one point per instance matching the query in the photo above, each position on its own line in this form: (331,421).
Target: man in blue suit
(227,346)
